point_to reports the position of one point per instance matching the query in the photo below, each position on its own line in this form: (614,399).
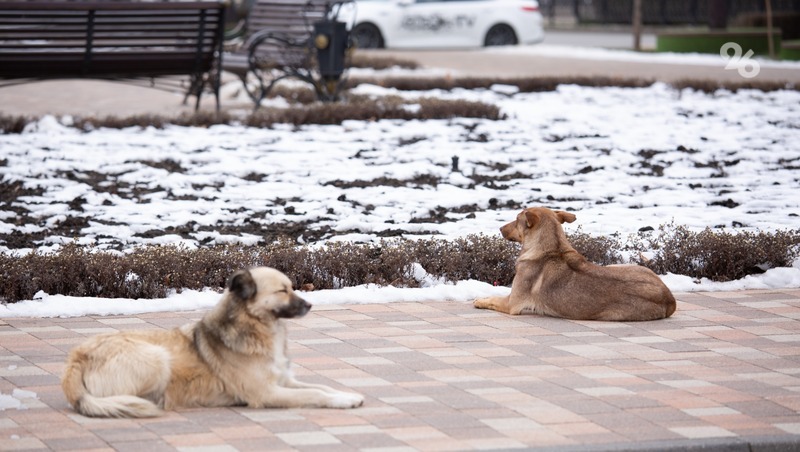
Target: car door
(437,23)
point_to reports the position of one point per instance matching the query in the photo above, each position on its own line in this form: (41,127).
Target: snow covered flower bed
(622,159)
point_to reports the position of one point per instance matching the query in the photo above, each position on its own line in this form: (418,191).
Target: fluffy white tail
(116,406)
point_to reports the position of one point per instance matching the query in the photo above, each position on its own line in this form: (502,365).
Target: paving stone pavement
(722,374)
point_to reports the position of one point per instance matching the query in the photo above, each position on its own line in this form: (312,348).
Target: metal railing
(655,12)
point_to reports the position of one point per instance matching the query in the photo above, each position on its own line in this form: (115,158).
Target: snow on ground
(621,158)
(18,399)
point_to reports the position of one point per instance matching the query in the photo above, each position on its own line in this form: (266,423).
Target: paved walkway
(101,98)
(722,374)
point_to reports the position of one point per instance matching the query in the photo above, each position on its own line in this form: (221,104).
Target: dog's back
(613,293)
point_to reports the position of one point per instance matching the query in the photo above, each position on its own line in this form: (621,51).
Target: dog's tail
(671,304)
(116,406)
(88,405)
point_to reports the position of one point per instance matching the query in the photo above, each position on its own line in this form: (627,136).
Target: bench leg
(216,84)
(199,94)
(265,91)
(252,94)
(260,92)
(328,88)
(201,84)
(196,86)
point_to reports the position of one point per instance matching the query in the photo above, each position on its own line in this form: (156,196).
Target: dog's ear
(531,219)
(565,217)
(242,285)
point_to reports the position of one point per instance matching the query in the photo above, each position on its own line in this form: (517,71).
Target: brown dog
(235,355)
(555,280)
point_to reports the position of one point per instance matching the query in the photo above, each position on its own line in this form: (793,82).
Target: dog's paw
(482,303)
(346,400)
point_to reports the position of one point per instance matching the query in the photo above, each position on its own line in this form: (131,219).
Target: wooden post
(718,14)
(770,38)
(637,25)
(576,10)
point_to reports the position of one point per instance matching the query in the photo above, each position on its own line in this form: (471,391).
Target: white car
(443,23)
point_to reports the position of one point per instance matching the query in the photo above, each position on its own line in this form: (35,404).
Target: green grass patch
(790,50)
(711,41)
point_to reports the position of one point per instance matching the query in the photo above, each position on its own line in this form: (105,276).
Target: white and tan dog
(235,355)
(555,280)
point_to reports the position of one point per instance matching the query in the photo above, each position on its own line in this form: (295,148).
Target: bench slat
(103,5)
(120,39)
(104,48)
(165,36)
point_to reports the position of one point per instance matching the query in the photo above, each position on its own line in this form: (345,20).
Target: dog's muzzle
(297,307)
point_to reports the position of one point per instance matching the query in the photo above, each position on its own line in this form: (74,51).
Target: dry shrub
(600,250)
(318,114)
(348,265)
(339,264)
(196,119)
(72,271)
(161,268)
(115,122)
(718,255)
(711,86)
(154,271)
(525,84)
(13,124)
(360,108)
(478,257)
(539,84)
(439,109)
(148,272)
(544,84)
(362,60)
(297,262)
(373,110)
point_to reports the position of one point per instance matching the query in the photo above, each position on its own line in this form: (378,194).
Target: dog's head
(532,218)
(266,291)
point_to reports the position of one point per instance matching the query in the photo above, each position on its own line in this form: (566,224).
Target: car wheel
(367,36)
(500,35)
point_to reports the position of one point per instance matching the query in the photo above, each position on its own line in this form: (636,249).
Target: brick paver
(723,372)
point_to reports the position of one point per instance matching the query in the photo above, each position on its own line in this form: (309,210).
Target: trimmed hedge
(357,108)
(154,271)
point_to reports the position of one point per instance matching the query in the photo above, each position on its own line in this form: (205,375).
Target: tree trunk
(637,25)
(770,37)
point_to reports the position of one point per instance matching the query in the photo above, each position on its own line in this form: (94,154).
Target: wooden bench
(113,40)
(290,38)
